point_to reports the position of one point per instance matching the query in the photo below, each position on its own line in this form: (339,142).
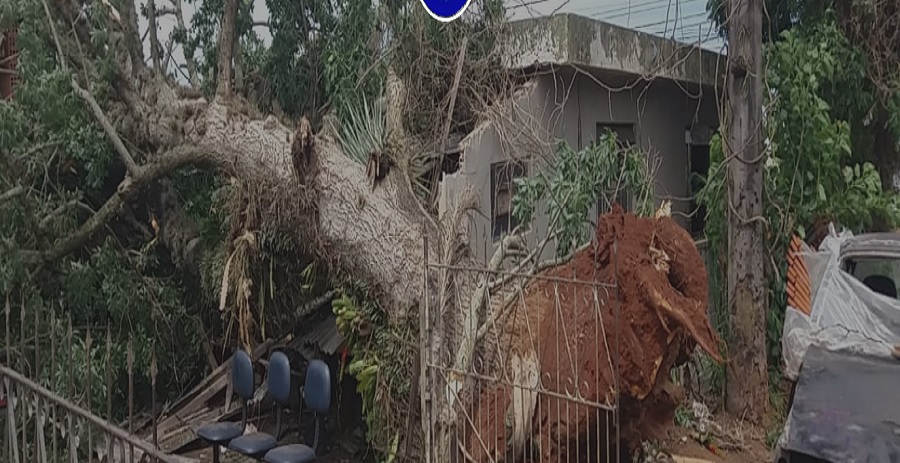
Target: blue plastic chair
(218,434)
(317,395)
(278,379)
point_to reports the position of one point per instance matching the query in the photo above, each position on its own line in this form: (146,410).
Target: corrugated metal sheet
(325,335)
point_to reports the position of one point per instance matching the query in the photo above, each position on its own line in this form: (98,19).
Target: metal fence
(43,425)
(540,384)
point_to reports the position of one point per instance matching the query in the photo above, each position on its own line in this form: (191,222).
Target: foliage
(380,359)
(864,90)
(424,53)
(572,184)
(810,172)
(363,131)
(51,147)
(319,58)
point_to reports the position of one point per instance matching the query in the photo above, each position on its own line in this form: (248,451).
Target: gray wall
(569,105)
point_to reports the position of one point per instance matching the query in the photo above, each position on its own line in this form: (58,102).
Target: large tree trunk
(747,380)
(308,190)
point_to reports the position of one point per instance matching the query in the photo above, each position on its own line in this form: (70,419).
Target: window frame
(503,175)
(626,138)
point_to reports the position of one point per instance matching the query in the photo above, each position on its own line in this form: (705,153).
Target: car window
(866,267)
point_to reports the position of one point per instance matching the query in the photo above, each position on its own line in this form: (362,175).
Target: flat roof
(571,40)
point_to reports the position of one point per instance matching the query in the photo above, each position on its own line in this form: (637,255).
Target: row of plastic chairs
(260,445)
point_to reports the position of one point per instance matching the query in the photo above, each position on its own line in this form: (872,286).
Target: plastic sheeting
(846,314)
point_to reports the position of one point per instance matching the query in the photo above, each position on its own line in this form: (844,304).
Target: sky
(682,20)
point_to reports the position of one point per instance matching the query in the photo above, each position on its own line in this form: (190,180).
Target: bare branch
(59,49)
(188,53)
(107,127)
(445,133)
(13,192)
(226,47)
(154,37)
(132,36)
(131,186)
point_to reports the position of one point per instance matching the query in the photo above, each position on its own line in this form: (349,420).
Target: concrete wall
(563,104)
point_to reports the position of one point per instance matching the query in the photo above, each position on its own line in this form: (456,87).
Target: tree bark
(226,46)
(747,380)
(309,190)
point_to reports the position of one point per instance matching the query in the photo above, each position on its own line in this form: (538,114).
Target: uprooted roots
(649,307)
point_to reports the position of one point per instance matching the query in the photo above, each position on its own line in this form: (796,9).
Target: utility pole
(746,392)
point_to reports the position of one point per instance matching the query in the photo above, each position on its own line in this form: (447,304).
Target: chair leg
(216,451)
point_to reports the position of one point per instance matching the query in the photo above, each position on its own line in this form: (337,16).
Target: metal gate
(540,384)
(40,425)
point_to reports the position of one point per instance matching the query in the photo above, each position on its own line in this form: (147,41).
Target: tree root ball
(634,303)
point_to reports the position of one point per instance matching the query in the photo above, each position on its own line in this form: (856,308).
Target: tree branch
(13,192)
(107,127)
(226,47)
(132,36)
(145,175)
(154,37)
(188,51)
(445,133)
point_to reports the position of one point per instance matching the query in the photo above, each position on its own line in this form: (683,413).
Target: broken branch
(154,38)
(11,193)
(145,175)
(188,51)
(107,127)
(445,133)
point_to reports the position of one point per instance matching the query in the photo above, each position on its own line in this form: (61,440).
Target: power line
(628,6)
(667,21)
(645,10)
(689,27)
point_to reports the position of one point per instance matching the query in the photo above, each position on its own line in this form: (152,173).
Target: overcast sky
(683,20)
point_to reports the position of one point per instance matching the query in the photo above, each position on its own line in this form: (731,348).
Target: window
(503,188)
(624,133)
(699,169)
(625,139)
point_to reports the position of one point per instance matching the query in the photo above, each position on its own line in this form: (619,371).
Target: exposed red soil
(651,318)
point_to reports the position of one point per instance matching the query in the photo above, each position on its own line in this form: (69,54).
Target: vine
(811,172)
(380,357)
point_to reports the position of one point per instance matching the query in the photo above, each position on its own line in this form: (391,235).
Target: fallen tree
(302,187)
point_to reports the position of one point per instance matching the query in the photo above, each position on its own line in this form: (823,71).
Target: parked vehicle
(843,407)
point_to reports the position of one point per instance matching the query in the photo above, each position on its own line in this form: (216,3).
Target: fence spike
(153,373)
(89,380)
(11,437)
(131,394)
(54,445)
(109,441)
(23,360)
(11,403)
(70,390)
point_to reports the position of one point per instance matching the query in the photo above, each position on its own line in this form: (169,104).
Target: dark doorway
(699,169)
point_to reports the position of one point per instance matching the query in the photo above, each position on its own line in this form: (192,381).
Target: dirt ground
(651,313)
(740,442)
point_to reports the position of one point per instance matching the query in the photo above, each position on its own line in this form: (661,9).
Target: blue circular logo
(445,10)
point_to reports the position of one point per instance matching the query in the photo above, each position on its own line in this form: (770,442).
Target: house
(9,55)
(583,77)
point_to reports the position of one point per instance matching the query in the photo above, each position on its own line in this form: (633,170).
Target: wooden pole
(747,381)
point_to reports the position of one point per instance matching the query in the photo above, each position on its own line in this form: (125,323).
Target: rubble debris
(654,317)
